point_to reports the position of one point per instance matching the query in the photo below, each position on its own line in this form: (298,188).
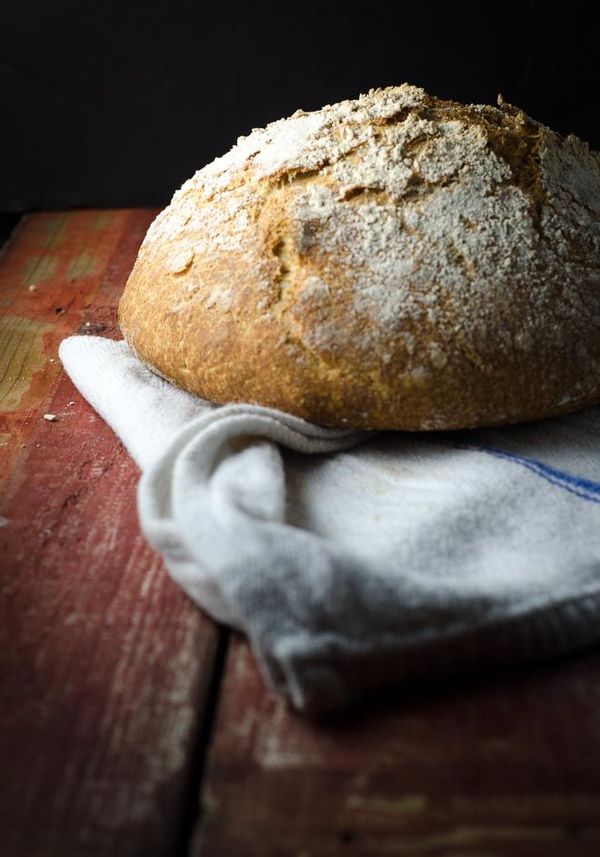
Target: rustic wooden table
(131,724)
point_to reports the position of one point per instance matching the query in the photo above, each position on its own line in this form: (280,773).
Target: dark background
(117,103)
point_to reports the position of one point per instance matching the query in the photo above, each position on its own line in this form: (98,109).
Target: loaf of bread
(392,262)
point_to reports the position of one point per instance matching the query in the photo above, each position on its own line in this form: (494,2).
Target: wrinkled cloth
(357,561)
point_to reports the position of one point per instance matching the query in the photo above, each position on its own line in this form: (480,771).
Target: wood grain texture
(105,663)
(60,273)
(506,766)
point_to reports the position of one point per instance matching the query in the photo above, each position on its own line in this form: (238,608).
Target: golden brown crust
(392,262)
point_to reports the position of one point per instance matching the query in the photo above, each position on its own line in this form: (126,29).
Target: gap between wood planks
(192,809)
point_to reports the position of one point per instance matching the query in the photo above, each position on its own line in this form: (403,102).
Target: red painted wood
(496,768)
(77,263)
(105,663)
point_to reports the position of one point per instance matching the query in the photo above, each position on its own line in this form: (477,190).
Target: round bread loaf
(392,262)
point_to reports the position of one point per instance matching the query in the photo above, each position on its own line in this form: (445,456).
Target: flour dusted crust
(395,262)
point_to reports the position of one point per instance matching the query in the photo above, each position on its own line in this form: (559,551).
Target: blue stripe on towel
(586,489)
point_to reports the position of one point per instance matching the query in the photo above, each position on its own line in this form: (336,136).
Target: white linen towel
(355,561)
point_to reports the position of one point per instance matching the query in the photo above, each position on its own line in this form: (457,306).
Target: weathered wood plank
(505,766)
(61,273)
(105,663)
